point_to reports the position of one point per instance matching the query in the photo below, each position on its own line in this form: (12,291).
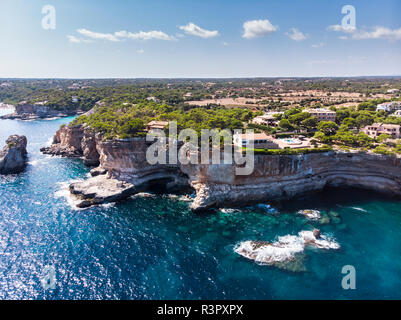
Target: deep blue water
(155,248)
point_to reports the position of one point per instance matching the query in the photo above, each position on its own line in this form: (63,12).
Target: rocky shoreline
(123,171)
(33,112)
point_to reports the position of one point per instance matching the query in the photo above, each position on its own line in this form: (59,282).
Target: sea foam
(285,248)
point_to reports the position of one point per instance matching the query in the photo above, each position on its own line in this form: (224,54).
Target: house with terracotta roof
(156,125)
(322,114)
(376,129)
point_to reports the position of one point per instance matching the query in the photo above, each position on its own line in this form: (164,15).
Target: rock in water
(13,155)
(285,249)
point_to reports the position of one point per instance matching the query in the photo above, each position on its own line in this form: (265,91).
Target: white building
(268,119)
(259,140)
(152,99)
(389,106)
(376,129)
(322,114)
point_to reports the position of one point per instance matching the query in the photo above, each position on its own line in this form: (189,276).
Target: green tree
(328,127)
(383,138)
(309,123)
(298,118)
(285,124)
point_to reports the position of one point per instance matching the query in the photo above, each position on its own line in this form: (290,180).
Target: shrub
(292,151)
(382,149)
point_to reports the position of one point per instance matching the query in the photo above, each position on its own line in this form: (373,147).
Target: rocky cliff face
(124,171)
(285,177)
(13,155)
(75,142)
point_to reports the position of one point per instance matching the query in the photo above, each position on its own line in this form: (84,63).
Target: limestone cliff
(75,142)
(13,155)
(124,171)
(285,177)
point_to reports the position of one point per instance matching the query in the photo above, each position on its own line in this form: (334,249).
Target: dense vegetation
(129,120)
(125,106)
(292,151)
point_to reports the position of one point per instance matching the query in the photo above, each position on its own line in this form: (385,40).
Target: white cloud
(158,35)
(257,28)
(97,35)
(140,51)
(195,30)
(74,39)
(296,35)
(339,28)
(122,35)
(379,33)
(376,33)
(225,44)
(318,45)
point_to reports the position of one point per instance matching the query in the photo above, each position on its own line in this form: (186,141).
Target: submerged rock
(325,219)
(13,156)
(285,249)
(310,214)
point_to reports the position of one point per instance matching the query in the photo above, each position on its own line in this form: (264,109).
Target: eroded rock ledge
(286,177)
(14,155)
(123,171)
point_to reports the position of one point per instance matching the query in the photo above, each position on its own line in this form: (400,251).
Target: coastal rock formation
(285,249)
(275,177)
(100,189)
(26,111)
(123,169)
(70,142)
(288,176)
(13,156)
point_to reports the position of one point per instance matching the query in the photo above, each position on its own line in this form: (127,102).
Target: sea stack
(13,156)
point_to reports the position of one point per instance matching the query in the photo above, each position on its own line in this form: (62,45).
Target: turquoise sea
(156,248)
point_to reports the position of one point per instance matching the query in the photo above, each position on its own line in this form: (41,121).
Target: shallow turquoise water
(155,248)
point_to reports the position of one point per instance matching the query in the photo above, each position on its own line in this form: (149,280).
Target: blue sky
(227,38)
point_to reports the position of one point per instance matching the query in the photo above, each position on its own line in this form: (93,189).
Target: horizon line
(196,78)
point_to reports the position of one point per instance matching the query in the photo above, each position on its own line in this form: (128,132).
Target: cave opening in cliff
(160,185)
(167,185)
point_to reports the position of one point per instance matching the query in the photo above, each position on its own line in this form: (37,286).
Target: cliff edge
(123,170)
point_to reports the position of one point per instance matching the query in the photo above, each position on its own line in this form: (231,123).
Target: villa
(154,99)
(377,129)
(268,119)
(157,125)
(389,106)
(259,140)
(322,114)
